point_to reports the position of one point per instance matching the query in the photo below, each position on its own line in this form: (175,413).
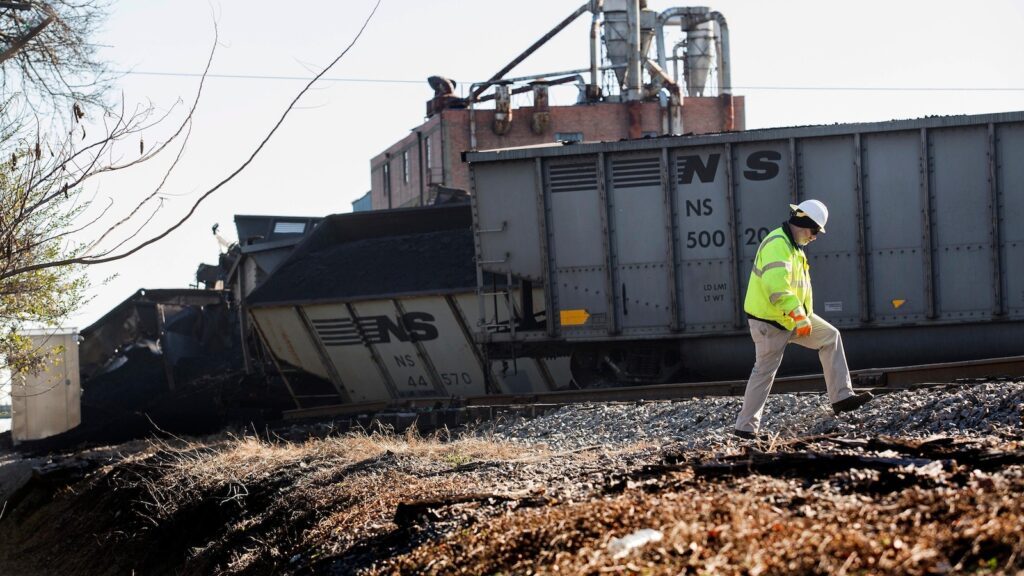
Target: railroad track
(483,407)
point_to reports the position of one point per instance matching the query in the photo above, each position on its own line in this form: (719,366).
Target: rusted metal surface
(634,110)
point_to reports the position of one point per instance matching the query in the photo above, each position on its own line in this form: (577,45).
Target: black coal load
(373,255)
(163,362)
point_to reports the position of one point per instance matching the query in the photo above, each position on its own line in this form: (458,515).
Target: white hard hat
(813,209)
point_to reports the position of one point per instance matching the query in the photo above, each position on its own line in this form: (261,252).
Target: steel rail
(879,380)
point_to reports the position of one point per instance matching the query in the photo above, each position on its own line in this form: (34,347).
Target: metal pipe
(524,89)
(724,73)
(577,71)
(676,57)
(633,73)
(594,89)
(472,119)
(533,48)
(662,79)
(420,164)
(667,17)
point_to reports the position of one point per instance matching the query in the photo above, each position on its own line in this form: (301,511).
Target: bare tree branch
(94,260)
(20,43)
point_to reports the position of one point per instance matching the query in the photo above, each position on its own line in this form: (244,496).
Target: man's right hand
(803,324)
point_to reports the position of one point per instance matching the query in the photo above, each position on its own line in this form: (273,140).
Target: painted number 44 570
(447,378)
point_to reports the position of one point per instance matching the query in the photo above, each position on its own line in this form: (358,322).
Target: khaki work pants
(769,344)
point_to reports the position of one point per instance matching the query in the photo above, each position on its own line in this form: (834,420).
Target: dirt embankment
(383,504)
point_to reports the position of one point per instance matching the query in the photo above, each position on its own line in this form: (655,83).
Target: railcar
(641,249)
(382,306)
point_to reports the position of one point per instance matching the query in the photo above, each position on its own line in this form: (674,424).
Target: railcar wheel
(625,365)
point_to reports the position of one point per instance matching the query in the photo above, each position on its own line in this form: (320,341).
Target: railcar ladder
(493,324)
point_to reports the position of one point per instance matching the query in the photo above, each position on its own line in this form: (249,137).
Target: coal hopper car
(382,306)
(642,249)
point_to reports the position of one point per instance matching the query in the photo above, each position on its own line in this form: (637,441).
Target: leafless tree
(48,60)
(43,181)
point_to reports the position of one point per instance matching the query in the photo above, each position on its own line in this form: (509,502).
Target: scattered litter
(621,547)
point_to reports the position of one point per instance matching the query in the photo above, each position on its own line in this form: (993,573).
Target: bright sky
(797,62)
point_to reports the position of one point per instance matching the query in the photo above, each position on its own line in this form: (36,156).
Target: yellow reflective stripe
(759,271)
(768,240)
(776,296)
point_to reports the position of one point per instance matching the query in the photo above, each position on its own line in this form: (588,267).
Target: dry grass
(758,525)
(248,505)
(308,500)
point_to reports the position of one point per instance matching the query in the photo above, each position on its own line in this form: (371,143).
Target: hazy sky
(797,62)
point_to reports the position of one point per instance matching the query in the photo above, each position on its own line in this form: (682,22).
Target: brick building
(412,171)
(651,73)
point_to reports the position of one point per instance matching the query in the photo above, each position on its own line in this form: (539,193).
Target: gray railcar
(644,247)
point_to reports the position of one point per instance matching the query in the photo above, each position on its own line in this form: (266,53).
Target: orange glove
(803,324)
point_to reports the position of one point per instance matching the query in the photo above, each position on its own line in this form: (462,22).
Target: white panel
(392,338)
(289,340)
(48,403)
(453,356)
(352,361)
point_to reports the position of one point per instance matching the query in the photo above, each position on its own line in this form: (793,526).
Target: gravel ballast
(706,423)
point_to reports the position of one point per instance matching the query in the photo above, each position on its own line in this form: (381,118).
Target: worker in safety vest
(779,310)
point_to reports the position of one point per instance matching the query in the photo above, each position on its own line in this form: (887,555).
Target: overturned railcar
(643,248)
(382,306)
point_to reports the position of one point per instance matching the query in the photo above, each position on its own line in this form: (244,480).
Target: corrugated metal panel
(764,190)
(702,208)
(912,235)
(961,216)
(1010,179)
(491,218)
(578,243)
(892,184)
(826,171)
(641,283)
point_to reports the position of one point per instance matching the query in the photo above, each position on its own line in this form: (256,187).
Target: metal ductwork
(502,109)
(699,57)
(704,28)
(629,29)
(541,118)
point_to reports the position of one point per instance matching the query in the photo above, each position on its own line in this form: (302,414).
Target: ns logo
(408,327)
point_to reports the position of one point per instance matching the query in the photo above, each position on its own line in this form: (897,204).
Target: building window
(568,136)
(386,177)
(405,166)
(430,163)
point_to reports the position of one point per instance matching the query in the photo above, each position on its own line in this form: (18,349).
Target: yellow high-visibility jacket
(780,280)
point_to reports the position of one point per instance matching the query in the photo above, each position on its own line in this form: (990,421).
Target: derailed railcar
(383,306)
(643,248)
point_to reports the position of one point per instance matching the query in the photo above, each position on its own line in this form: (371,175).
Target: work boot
(747,435)
(851,403)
